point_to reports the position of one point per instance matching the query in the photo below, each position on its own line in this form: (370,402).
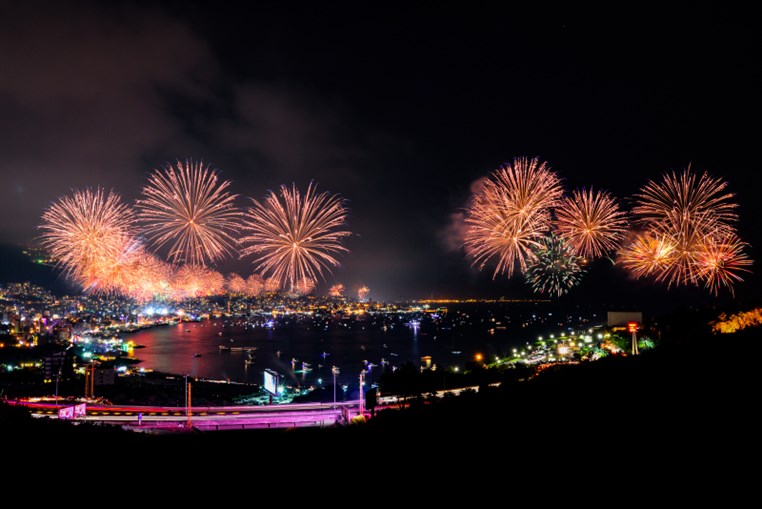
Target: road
(156,418)
(206,418)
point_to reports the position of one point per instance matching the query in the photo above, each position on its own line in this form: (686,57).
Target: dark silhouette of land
(694,393)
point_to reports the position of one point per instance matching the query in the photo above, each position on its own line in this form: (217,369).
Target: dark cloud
(81,96)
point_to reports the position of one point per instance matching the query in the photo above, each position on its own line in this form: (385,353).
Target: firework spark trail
(86,230)
(295,238)
(555,268)
(190,209)
(686,199)
(591,223)
(510,215)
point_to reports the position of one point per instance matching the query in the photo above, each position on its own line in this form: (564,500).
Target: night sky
(399,107)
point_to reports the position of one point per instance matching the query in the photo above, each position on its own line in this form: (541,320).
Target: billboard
(66,412)
(271,382)
(620,318)
(80,410)
(72,412)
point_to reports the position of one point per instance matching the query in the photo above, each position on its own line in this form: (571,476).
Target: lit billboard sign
(271,382)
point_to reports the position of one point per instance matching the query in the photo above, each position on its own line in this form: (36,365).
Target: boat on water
(225,348)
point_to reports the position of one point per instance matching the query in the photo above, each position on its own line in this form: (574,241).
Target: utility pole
(188,402)
(335,372)
(362,401)
(60,368)
(90,380)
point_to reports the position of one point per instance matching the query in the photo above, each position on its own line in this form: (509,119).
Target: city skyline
(395,114)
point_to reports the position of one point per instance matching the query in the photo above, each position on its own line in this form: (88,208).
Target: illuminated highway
(207,418)
(156,418)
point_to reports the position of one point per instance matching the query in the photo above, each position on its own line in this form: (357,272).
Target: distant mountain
(15,266)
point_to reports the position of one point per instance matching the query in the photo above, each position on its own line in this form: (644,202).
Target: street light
(335,372)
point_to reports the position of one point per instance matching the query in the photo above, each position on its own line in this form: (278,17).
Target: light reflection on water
(303,354)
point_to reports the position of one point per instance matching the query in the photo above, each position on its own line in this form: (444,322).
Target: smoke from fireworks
(509,216)
(590,223)
(294,237)
(188,208)
(555,268)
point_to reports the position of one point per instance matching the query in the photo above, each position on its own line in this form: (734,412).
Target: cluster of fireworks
(107,246)
(680,231)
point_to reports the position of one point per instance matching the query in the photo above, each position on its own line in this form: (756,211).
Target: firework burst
(646,255)
(86,231)
(145,277)
(113,275)
(720,262)
(304,287)
(591,223)
(294,237)
(688,234)
(271,285)
(509,216)
(362,293)
(336,290)
(684,201)
(235,284)
(555,269)
(188,208)
(255,285)
(197,281)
